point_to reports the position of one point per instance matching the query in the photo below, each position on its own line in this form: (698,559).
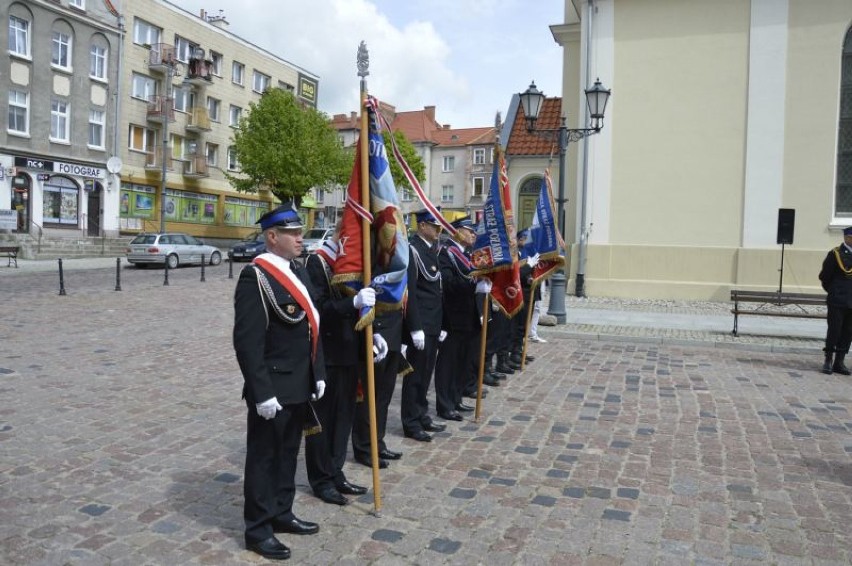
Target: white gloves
(418,337)
(320,391)
(380,348)
(403,348)
(268,408)
(494,307)
(366,297)
(532,261)
(483,286)
(442,335)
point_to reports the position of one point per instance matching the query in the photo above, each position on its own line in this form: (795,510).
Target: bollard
(230,268)
(166,276)
(61,279)
(118,274)
(202,268)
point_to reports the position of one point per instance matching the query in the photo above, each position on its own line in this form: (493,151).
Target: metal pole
(557,282)
(166,112)
(202,269)
(230,268)
(118,274)
(166,272)
(61,279)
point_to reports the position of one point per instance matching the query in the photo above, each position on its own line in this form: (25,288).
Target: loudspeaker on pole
(786,223)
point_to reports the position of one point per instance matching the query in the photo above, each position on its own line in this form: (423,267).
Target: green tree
(287,148)
(415,162)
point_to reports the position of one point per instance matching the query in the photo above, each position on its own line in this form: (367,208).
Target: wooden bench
(773,303)
(11,253)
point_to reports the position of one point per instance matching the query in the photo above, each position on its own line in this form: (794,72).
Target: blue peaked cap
(426,216)
(464,222)
(285,216)
(847,231)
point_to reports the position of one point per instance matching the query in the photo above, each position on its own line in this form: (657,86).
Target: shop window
(61,201)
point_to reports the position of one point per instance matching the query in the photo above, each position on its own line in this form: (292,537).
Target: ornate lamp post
(532,100)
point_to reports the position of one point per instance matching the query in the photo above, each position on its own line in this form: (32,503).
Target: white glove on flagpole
(380,348)
(483,286)
(320,391)
(442,336)
(532,261)
(366,297)
(418,337)
(268,408)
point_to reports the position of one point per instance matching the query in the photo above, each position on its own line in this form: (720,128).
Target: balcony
(161,108)
(161,57)
(196,167)
(199,72)
(154,161)
(198,120)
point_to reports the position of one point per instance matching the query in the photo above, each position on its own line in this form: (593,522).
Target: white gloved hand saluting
(483,286)
(380,348)
(442,336)
(268,408)
(532,261)
(418,337)
(366,297)
(319,391)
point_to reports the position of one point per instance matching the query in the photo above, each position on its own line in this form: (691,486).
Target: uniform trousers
(384,378)
(453,369)
(325,453)
(414,408)
(839,333)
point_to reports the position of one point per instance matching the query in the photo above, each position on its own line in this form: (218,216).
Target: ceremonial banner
(390,246)
(544,238)
(495,252)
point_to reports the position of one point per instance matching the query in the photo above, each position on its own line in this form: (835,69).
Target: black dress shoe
(497,375)
(464,408)
(365,461)
(505,369)
(351,488)
(333,496)
(390,454)
(271,548)
(472,394)
(419,436)
(434,427)
(295,527)
(451,416)
(490,381)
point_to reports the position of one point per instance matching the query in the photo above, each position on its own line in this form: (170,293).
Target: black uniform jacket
(275,357)
(423,311)
(461,313)
(341,343)
(526,273)
(837,282)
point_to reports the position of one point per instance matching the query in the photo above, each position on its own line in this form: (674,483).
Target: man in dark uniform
(276,339)
(454,370)
(325,452)
(519,322)
(836,279)
(424,319)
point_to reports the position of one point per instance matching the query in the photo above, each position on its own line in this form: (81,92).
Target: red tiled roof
(418,125)
(522,142)
(465,136)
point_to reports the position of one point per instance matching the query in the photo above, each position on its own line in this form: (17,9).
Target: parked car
(172,248)
(313,239)
(248,248)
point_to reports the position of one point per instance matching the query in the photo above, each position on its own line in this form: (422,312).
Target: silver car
(172,248)
(312,239)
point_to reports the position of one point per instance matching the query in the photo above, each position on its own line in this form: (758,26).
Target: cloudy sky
(466,57)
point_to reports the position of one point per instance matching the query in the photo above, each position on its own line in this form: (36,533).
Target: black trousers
(414,409)
(838,336)
(325,453)
(272,448)
(519,324)
(453,369)
(384,377)
(499,334)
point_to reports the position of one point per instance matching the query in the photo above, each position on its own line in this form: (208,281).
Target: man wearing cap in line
(836,279)
(276,339)
(454,370)
(423,315)
(519,321)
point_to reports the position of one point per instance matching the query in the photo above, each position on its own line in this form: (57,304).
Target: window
(212,153)
(233,162)
(479,156)
(98,62)
(180,147)
(145,33)
(19,36)
(60,201)
(77,4)
(213,105)
(287,87)
(60,110)
(260,82)
(407,195)
(141,139)
(446,193)
(478,186)
(217,63)
(96,129)
(19,112)
(184,48)
(843,191)
(235,115)
(182,98)
(60,51)
(142,87)
(449,163)
(319,196)
(238,73)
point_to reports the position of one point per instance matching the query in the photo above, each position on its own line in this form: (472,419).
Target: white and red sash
(279,268)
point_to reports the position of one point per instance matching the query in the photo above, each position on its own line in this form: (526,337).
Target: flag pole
(363,62)
(527,325)
(486,312)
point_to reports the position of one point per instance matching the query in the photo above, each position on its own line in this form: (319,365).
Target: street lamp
(532,100)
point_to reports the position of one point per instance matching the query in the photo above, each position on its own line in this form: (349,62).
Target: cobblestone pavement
(122,441)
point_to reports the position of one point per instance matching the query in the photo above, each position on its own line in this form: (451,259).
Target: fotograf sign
(78,170)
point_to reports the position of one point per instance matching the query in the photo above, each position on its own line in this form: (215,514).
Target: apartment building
(190,80)
(60,79)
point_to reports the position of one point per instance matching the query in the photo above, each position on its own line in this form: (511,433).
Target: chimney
(430,112)
(202,14)
(447,127)
(218,21)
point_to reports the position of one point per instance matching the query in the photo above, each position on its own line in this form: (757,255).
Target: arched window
(61,201)
(527,199)
(843,199)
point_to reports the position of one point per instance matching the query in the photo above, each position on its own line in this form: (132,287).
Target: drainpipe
(580,280)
